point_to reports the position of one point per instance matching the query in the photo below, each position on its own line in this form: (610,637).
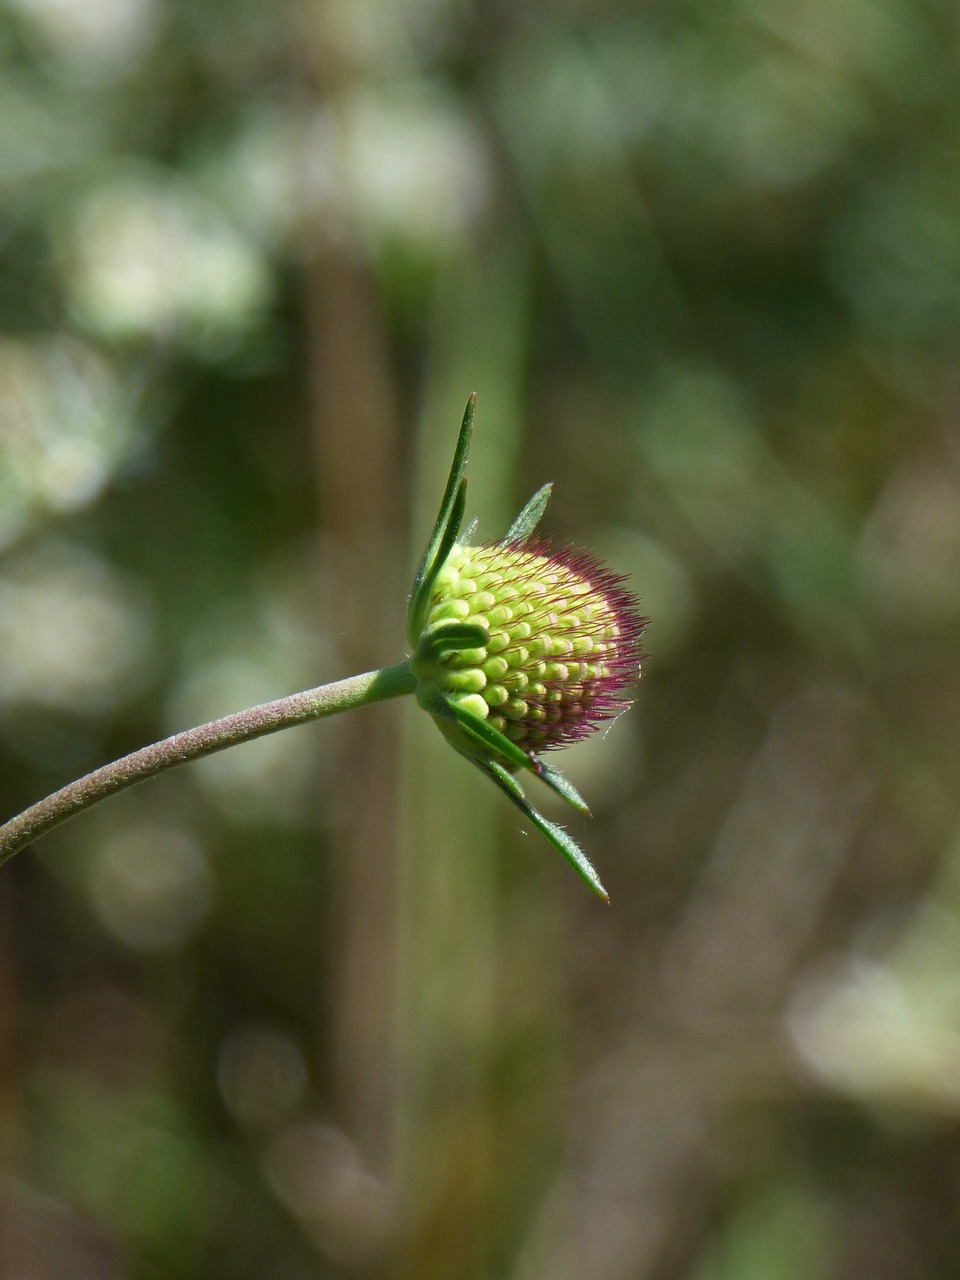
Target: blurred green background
(319,1007)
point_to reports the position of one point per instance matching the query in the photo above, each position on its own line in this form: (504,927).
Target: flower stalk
(204,740)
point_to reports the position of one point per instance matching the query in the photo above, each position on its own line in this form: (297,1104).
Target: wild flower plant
(518,647)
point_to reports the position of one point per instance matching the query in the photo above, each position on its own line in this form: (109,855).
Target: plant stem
(242,726)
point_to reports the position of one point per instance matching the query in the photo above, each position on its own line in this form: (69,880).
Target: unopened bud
(562,641)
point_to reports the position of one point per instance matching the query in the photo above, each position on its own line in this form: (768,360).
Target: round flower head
(519,647)
(563,641)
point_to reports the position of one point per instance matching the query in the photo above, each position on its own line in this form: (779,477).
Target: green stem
(242,726)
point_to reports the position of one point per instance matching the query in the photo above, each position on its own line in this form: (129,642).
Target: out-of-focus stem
(242,726)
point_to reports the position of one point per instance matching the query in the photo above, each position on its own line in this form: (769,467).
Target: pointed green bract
(564,844)
(530,516)
(491,741)
(560,783)
(487,742)
(420,599)
(446,529)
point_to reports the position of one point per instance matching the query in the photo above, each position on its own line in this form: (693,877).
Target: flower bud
(519,647)
(561,648)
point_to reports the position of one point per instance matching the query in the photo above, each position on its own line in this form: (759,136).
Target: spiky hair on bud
(520,646)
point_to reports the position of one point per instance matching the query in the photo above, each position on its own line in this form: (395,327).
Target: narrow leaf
(561,841)
(530,516)
(469,533)
(446,517)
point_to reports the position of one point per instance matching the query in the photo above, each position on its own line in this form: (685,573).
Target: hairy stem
(242,726)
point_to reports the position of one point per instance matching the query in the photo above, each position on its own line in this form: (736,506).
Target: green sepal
(482,734)
(449,635)
(560,783)
(530,516)
(564,844)
(446,529)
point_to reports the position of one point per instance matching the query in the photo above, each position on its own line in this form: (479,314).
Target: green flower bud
(519,647)
(561,644)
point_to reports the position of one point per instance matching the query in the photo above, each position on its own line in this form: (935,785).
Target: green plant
(518,647)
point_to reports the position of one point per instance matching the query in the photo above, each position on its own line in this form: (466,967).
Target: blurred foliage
(316,1007)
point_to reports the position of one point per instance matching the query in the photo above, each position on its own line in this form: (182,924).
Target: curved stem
(242,726)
